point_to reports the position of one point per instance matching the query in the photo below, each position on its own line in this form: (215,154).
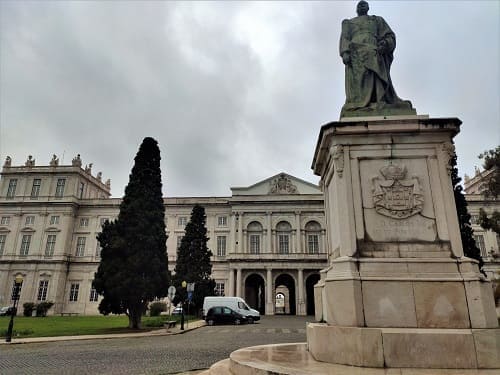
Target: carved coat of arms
(394,196)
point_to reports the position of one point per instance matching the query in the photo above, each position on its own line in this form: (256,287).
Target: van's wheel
(210,322)
(250,320)
(237,322)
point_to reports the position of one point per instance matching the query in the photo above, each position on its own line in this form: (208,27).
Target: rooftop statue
(367,45)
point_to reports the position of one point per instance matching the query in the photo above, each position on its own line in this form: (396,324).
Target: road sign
(190,296)
(190,287)
(171,292)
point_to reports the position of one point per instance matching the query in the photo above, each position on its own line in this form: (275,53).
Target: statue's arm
(344,45)
(387,38)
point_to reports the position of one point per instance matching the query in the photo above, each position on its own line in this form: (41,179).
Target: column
(231,283)
(238,281)
(232,235)
(240,232)
(269,292)
(301,306)
(269,233)
(298,240)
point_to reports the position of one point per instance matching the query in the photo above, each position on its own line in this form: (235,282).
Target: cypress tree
(193,261)
(134,269)
(469,244)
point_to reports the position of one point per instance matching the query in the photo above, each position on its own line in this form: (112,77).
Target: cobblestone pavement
(193,350)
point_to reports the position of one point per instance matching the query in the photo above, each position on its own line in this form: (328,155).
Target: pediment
(279,184)
(4,229)
(52,229)
(27,229)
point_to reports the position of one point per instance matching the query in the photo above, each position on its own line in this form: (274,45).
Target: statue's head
(362,8)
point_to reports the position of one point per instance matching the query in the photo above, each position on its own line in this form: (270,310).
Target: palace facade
(268,240)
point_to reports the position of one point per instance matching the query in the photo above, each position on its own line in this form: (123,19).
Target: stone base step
(294,359)
(219,368)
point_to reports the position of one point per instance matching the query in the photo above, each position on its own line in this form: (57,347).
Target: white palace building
(268,240)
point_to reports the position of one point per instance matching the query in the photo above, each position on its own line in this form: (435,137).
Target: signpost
(190,290)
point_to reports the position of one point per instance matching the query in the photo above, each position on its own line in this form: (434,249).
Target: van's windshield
(243,306)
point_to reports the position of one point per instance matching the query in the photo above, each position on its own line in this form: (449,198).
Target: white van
(236,303)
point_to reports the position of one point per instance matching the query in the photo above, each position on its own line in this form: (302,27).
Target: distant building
(487,240)
(267,238)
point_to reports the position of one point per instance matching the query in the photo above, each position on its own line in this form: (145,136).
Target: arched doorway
(285,284)
(255,293)
(310,282)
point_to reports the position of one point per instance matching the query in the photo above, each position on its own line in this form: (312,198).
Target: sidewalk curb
(157,332)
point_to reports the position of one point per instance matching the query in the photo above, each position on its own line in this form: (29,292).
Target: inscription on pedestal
(415,228)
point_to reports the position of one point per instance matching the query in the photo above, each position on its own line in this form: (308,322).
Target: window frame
(11,189)
(60,185)
(25,245)
(221,246)
(50,245)
(43,287)
(73,292)
(35,188)
(80,246)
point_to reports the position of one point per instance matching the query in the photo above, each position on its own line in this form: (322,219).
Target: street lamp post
(183,284)
(18,281)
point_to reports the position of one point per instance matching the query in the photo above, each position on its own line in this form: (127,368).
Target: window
(474,219)
(84,222)
(11,190)
(313,233)
(254,244)
(283,244)
(480,243)
(80,246)
(313,243)
(81,189)
(219,289)
(35,189)
(254,230)
(2,243)
(222,221)
(30,220)
(42,290)
(60,187)
(179,240)
(93,295)
(283,231)
(51,243)
(102,220)
(25,244)
(5,220)
(16,291)
(221,246)
(182,221)
(73,292)
(98,250)
(54,220)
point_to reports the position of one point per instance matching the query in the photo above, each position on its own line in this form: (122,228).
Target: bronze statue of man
(367,45)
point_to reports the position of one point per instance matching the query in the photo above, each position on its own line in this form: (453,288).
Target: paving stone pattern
(197,349)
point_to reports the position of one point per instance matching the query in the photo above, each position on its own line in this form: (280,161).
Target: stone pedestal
(398,286)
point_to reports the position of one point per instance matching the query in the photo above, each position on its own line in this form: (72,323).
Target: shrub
(43,307)
(28,308)
(156,308)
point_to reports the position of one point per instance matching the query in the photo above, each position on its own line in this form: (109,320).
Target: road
(196,349)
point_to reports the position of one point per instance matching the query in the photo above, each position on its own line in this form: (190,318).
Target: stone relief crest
(394,196)
(282,185)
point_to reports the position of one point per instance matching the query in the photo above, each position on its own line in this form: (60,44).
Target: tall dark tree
(470,248)
(193,260)
(490,188)
(133,269)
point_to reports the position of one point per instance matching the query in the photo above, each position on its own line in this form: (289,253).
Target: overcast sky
(234,92)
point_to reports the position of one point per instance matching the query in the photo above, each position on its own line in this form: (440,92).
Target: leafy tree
(491,188)
(470,248)
(133,269)
(193,260)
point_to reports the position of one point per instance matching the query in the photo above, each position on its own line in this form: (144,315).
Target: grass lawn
(77,325)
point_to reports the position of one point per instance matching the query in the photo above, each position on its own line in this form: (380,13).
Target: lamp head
(19,279)
(184,284)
